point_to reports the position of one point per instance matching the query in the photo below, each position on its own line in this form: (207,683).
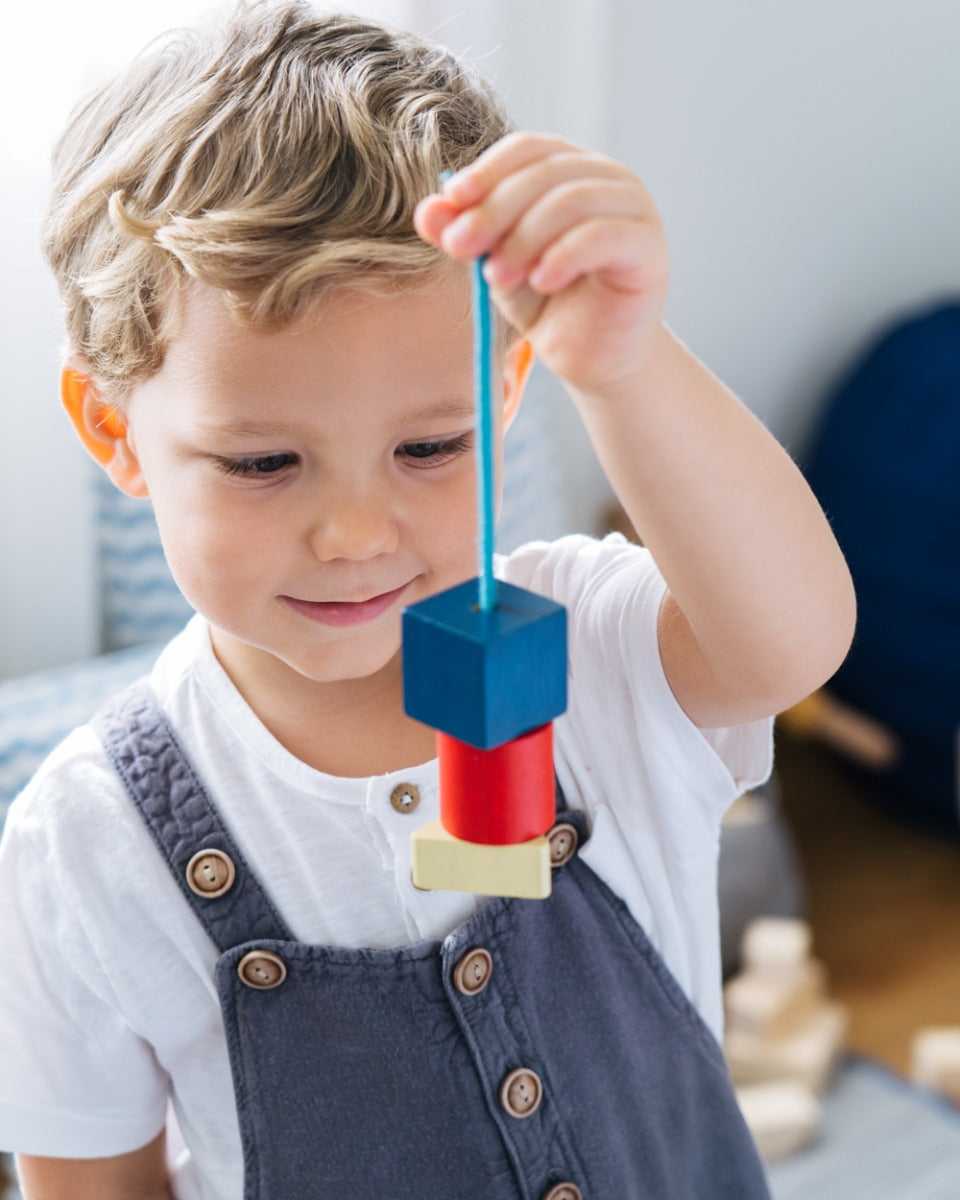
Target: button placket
(393,808)
(504,1053)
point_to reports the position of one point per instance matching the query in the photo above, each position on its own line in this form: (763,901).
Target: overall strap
(189,832)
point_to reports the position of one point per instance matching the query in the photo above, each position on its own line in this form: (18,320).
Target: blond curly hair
(272,157)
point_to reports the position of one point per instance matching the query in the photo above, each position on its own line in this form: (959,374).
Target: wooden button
(262,970)
(563,839)
(472,972)
(405,797)
(563,1191)
(521,1092)
(210,873)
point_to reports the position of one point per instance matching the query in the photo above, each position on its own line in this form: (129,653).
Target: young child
(206,896)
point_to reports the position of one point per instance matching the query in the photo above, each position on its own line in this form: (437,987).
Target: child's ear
(516,368)
(102,430)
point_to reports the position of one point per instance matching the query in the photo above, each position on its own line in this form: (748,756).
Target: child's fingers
(544,212)
(432,216)
(481,227)
(521,306)
(625,255)
(513,152)
(465,189)
(559,210)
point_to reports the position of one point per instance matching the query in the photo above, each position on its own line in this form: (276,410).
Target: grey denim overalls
(541,1051)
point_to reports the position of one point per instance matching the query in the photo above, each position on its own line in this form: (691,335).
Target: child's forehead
(348,336)
(409,338)
(343,295)
(447,291)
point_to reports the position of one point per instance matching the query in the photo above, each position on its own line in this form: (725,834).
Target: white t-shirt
(108,1006)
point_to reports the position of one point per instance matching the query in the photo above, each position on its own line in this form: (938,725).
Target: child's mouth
(345,612)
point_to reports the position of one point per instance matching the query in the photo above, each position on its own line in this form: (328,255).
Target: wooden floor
(884,904)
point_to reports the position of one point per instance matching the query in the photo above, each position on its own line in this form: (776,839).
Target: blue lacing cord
(483,407)
(483,401)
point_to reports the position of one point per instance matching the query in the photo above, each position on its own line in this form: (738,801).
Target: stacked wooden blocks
(783,1034)
(935,1060)
(491,683)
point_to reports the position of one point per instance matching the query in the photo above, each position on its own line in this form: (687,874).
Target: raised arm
(760,608)
(139,1175)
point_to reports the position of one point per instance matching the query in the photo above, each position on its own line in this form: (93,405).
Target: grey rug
(881,1138)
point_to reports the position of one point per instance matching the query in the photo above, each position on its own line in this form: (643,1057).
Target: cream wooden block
(773,1004)
(776,945)
(807,1056)
(935,1059)
(783,1116)
(442,862)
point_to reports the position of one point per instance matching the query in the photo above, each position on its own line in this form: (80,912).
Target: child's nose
(354,525)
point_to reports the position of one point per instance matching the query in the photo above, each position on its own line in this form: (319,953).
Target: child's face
(311,482)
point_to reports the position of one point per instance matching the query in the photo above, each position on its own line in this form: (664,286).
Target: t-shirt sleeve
(77,1081)
(613,591)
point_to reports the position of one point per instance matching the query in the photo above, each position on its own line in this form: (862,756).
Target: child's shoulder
(74,799)
(76,856)
(76,789)
(570,565)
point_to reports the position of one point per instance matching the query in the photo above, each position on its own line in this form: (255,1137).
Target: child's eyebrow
(459,409)
(252,429)
(441,409)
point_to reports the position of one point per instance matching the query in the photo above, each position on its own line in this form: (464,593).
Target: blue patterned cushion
(139,600)
(38,711)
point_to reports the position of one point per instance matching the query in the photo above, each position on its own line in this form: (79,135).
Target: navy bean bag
(885,465)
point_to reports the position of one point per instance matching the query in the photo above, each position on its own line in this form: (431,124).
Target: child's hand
(576,255)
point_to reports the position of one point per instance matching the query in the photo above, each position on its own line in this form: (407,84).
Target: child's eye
(256,468)
(435,454)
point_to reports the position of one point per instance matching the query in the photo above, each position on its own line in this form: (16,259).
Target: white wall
(47,600)
(804,156)
(55,53)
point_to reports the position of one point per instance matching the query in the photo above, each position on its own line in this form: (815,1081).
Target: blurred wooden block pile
(784,1035)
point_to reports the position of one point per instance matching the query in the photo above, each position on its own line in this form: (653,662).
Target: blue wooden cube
(485,677)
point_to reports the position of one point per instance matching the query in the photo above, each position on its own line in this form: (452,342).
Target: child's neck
(350,729)
(358,743)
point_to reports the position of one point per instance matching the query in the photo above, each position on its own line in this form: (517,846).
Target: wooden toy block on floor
(485,677)
(780,1024)
(773,1004)
(935,1060)
(776,945)
(783,1116)
(807,1056)
(442,861)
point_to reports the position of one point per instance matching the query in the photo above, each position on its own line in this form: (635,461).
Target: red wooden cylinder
(498,796)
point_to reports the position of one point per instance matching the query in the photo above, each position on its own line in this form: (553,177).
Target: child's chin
(346,667)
